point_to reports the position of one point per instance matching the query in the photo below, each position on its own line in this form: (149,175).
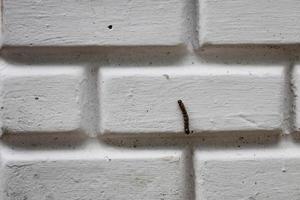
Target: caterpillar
(185,117)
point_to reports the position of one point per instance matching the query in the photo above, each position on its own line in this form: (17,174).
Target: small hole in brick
(36,98)
(110,27)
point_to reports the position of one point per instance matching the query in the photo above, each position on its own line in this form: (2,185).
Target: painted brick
(248,22)
(217,98)
(296,91)
(247,174)
(104,22)
(92,173)
(41,99)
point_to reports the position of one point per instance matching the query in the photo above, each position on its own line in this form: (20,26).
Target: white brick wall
(247,22)
(218,98)
(104,22)
(89,96)
(248,174)
(41,99)
(93,173)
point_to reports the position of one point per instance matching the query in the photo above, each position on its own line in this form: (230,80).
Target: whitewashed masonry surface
(89,92)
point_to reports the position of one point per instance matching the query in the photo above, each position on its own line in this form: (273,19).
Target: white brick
(296,91)
(101,173)
(249,22)
(65,23)
(248,174)
(41,99)
(217,98)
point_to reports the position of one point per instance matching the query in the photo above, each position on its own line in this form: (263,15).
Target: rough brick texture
(41,99)
(105,22)
(217,98)
(89,96)
(246,22)
(247,174)
(101,173)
